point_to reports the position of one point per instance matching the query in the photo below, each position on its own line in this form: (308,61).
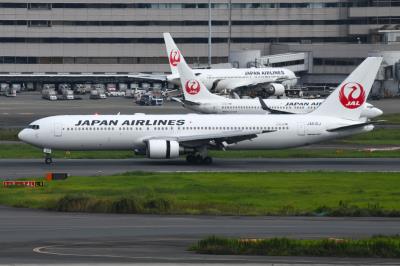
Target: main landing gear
(199,157)
(47,156)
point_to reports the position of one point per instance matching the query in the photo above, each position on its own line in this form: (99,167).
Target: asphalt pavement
(17,168)
(33,236)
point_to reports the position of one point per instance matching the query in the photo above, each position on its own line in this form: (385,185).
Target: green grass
(315,193)
(9,134)
(390,118)
(375,137)
(24,151)
(376,247)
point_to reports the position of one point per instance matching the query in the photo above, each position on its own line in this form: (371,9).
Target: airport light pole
(230,29)
(209,33)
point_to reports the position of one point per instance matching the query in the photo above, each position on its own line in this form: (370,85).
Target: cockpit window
(34,127)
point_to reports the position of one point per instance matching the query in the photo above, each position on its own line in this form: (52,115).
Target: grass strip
(390,118)
(280,193)
(375,137)
(9,134)
(376,247)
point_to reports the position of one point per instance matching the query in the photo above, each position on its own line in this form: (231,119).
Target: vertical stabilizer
(193,89)
(348,99)
(173,53)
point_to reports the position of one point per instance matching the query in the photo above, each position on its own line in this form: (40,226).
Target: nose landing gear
(47,154)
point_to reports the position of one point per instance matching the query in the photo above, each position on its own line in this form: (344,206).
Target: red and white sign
(22,184)
(352,95)
(174,57)
(192,87)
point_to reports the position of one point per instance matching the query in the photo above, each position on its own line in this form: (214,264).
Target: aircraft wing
(219,140)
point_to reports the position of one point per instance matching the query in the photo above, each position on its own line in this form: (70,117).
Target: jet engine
(162,149)
(275,89)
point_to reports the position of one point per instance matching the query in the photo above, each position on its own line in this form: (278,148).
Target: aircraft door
(301,130)
(57,130)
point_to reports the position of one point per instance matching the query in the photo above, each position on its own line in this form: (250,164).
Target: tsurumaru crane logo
(174,57)
(352,95)
(192,86)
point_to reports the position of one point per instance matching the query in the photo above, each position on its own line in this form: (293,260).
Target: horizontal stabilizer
(265,107)
(337,129)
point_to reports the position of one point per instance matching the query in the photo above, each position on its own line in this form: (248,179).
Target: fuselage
(129,132)
(253,106)
(229,79)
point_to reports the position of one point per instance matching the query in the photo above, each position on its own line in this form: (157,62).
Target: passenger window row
(170,128)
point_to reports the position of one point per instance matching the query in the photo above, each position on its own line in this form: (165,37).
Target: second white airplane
(272,80)
(203,101)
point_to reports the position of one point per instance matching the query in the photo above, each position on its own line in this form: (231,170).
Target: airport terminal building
(125,36)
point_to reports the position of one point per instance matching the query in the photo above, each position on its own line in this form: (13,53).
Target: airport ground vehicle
(3,88)
(97,93)
(67,94)
(82,88)
(16,87)
(49,94)
(11,92)
(157,101)
(168,136)
(149,99)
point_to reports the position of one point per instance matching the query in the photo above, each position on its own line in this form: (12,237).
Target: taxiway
(32,236)
(17,168)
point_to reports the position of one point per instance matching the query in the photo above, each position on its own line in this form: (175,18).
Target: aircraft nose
(22,135)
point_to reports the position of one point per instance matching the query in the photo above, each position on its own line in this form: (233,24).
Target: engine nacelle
(162,149)
(275,89)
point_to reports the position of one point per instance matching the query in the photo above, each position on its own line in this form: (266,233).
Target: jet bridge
(297,62)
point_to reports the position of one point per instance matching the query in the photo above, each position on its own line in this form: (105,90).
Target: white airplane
(168,136)
(205,102)
(271,80)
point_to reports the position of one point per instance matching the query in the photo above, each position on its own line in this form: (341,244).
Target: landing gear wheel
(198,159)
(207,160)
(48,160)
(190,158)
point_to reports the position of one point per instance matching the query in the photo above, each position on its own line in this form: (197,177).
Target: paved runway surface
(46,237)
(13,168)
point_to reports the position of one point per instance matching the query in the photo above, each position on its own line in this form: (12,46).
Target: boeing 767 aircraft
(209,103)
(272,80)
(168,136)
